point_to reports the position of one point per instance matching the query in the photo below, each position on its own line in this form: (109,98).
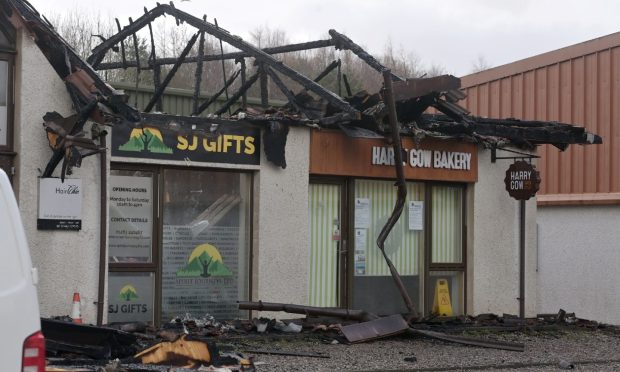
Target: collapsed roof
(358,115)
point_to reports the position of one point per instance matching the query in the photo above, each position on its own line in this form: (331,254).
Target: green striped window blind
(324,207)
(447,218)
(403,246)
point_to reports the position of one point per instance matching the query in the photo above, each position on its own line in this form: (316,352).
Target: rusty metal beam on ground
(158,93)
(214,97)
(416,87)
(343,42)
(402,191)
(359,315)
(232,55)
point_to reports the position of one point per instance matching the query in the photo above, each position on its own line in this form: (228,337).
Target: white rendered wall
(493,244)
(281,259)
(578,261)
(67,261)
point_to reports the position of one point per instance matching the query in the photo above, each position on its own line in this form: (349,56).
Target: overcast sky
(450,33)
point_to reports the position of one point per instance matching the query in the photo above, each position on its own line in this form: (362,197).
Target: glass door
(372,286)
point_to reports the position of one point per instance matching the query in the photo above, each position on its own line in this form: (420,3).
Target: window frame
(443,266)
(156,264)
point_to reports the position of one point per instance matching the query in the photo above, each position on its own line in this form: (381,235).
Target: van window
(11,267)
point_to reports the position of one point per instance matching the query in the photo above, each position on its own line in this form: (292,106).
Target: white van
(22,346)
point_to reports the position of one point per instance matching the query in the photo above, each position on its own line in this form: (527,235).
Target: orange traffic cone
(76,314)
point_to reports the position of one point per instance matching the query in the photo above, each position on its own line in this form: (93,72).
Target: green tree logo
(128,293)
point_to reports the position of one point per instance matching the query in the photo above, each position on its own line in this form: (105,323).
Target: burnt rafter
(235,41)
(217,57)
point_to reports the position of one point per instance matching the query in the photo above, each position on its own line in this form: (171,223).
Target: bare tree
(480,64)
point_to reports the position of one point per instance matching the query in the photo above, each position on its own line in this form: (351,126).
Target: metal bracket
(524,155)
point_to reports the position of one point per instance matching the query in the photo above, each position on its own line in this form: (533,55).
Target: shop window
(205,242)
(180,240)
(446,245)
(447,220)
(373,286)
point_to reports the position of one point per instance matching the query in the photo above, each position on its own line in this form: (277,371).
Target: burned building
(299,204)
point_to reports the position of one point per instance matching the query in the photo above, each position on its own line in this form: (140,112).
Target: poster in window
(131,213)
(362,213)
(200,271)
(416,215)
(130,297)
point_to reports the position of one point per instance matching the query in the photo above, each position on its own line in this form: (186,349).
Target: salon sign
(60,204)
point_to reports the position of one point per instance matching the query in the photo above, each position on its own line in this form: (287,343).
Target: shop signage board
(131,213)
(522,180)
(228,144)
(60,204)
(333,153)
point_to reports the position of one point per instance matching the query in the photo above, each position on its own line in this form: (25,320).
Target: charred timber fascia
(530,131)
(212,57)
(57,52)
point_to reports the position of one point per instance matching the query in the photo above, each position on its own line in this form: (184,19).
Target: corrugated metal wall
(180,101)
(579,85)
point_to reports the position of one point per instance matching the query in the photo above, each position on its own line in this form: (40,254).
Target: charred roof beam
(216,57)
(343,42)
(235,41)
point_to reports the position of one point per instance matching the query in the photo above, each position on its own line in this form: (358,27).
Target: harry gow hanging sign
(522,180)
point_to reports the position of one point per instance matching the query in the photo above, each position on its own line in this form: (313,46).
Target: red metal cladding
(579,85)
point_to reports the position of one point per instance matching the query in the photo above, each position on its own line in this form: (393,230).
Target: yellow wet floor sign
(441,302)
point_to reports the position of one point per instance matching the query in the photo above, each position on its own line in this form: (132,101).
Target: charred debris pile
(202,342)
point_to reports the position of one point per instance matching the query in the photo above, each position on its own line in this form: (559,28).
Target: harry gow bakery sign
(333,153)
(522,180)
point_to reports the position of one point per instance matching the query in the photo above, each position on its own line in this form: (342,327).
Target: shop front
(351,196)
(180,226)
